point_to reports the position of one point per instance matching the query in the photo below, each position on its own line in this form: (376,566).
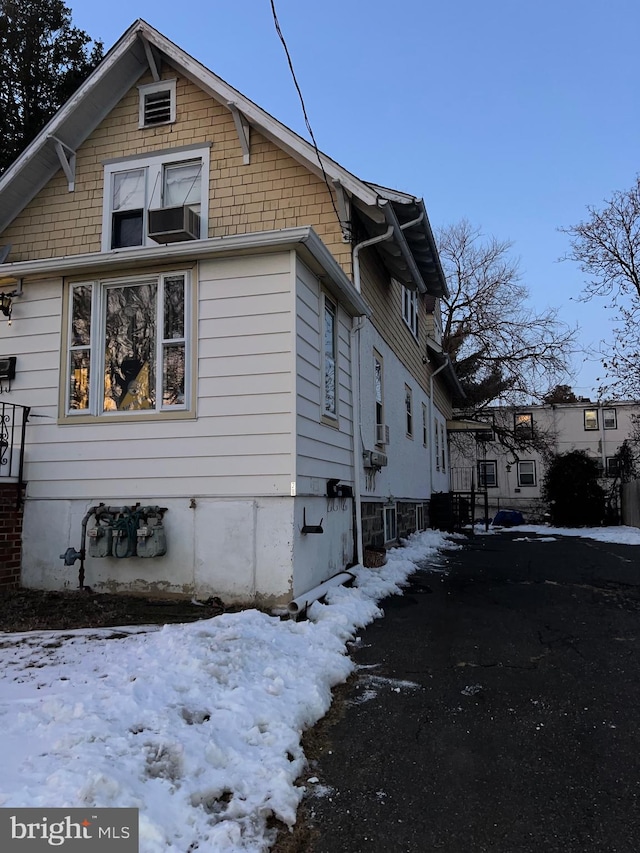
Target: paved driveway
(495,708)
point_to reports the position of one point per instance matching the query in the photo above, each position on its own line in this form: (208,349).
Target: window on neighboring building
(609,419)
(157,103)
(613,466)
(330,359)
(487,474)
(128,345)
(408,403)
(173,186)
(390,524)
(523,423)
(591,419)
(410,309)
(526,473)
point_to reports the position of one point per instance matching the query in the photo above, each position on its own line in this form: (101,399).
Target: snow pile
(197,725)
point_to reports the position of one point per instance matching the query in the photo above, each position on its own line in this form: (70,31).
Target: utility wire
(342,225)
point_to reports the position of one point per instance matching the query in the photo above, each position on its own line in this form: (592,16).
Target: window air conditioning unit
(382,434)
(373,459)
(174,224)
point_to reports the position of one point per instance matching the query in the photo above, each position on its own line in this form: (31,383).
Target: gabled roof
(410,254)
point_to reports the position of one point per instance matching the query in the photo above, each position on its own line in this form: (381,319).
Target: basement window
(157,103)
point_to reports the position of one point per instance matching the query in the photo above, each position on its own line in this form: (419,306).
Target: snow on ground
(616,535)
(197,725)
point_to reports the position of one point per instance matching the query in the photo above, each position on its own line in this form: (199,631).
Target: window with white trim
(128,345)
(410,309)
(330,359)
(609,419)
(425,426)
(408,404)
(436,430)
(378,380)
(612,466)
(176,182)
(157,103)
(443,447)
(420,517)
(526,473)
(591,419)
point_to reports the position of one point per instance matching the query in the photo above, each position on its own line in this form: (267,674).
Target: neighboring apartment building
(514,480)
(230,345)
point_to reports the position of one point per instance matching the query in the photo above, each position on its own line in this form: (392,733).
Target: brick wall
(10,537)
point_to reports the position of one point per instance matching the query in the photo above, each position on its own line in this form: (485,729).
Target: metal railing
(13,427)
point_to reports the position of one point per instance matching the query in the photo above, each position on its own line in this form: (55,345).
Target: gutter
(320,258)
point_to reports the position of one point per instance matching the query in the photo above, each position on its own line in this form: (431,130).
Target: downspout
(431,407)
(358,444)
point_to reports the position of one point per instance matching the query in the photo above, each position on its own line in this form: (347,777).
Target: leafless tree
(606,246)
(503,349)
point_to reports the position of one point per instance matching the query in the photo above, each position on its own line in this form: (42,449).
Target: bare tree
(606,246)
(503,350)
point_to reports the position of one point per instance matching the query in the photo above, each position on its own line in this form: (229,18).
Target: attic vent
(157,108)
(157,103)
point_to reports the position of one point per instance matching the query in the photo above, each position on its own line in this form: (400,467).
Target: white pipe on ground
(300,604)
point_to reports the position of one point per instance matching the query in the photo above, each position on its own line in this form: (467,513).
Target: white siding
(323,450)
(406,477)
(240,444)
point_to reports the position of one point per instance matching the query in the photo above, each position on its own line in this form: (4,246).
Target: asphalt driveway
(494,708)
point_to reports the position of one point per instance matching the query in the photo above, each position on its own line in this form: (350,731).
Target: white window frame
(330,305)
(96,348)
(390,518)
(483,466)
(610,415)
(153,167)
(437,439)
(420,518)
(410,309)
(443,447)
(378,389)
(151,89)
(532,473)
(593,412)
(408,404)
(425,426)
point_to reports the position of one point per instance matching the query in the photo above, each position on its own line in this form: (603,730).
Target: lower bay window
(128,345)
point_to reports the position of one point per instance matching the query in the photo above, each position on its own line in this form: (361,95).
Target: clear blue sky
(513,114)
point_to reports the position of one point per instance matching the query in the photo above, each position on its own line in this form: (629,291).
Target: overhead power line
(304,112)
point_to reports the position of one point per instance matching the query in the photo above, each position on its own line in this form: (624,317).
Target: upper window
(425,426)
(157,103)
(410,309)
(128,345)
(157,199)
(523,424)
(609,419)
(591,419)
(330,360)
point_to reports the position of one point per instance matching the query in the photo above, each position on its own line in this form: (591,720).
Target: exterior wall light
(6,306)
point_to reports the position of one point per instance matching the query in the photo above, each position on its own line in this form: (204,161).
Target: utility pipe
(299,605)
(363,245)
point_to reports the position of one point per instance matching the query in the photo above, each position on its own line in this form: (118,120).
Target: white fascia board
(303,239)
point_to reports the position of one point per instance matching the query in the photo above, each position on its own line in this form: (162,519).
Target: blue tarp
(508,518)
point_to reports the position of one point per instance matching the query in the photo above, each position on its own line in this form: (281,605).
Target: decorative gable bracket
(67,157)
(243,131)
(344,210)
(153,58)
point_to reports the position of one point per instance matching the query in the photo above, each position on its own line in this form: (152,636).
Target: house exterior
(229,344)
(514,480)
